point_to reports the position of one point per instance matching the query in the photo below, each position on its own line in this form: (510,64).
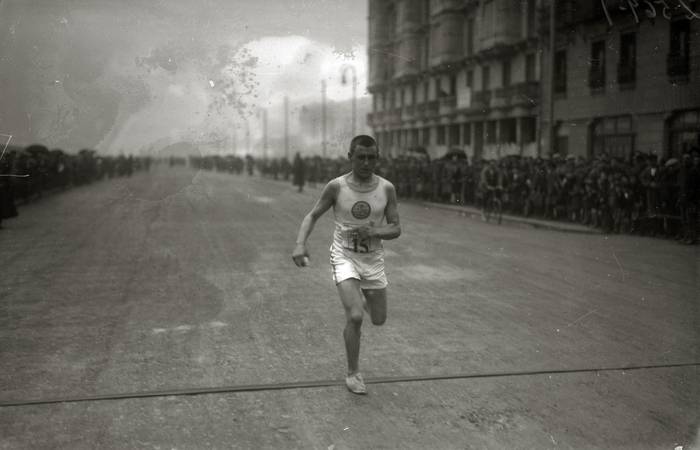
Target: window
(531,18)
(596,75)
(488,18)
(470,79)
(561,139)
(560,72)
(454,134)
(467,133)
(413,94)
(613,136)
(506,73)
(469,37)
(426,91)
(440,134)
(508,130)
(491,132)
(453,85)
(684,132)
(678,60)
(530,67)
(485,78)
(391,23)
(528,129)
(626,70)
(424,54)
(426,11)
(414,136)
(426,136)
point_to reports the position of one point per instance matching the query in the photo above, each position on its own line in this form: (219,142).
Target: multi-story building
(455,73)
(626,78)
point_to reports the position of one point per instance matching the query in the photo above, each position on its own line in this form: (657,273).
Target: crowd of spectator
(643,195)
(30,172)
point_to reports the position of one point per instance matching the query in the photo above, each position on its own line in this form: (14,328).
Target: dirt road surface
(178,280)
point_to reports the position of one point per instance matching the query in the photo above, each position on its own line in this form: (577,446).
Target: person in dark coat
(299,172)
(7,198)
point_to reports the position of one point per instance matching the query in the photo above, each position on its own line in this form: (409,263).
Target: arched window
(683,132)
(613,136)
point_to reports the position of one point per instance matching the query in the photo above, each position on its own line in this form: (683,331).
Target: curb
(475,213)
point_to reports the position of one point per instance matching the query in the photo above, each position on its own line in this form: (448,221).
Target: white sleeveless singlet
(355,208)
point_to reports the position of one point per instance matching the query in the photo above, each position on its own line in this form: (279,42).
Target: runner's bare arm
(325,202)
(392,229)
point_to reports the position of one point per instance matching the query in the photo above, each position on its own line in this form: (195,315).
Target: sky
(132,75)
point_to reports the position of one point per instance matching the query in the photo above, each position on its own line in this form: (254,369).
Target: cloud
(295,66)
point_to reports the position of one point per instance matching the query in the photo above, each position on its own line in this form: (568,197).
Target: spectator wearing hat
(692,194)
(650,178)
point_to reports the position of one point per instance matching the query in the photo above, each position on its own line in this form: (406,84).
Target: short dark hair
(363,140)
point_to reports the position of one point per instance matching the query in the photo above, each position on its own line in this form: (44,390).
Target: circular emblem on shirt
(361,210)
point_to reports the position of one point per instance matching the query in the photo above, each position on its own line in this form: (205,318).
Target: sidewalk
(475,213)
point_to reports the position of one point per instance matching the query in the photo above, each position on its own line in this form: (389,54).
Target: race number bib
(353,242)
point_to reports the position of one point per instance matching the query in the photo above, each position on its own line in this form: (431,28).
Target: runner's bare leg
(376,305)
(352,299)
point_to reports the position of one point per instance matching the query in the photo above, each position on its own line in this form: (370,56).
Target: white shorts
(368,268)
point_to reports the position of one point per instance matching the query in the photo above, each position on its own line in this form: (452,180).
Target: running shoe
(356,384)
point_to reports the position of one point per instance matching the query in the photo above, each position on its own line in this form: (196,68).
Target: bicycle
(493,205)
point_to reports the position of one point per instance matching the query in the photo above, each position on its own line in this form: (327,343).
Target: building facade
(475,74)
(626,78)
(448,74)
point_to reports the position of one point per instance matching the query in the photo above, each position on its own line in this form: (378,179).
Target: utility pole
(286,127)
(323,117)
(354,95)
(234,139)
(263,115)
(247,136)
(552,43)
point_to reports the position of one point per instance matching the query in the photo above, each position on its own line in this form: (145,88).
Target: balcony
(626,74)
(522,94)
(481,100)
(677,65)
(408,112)
(373,119)
(393,116)
(448,104)
(428,109)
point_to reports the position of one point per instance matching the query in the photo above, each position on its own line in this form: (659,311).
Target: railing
(481,99)
(448,104)
(432,107)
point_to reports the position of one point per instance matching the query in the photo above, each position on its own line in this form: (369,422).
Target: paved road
(180,279)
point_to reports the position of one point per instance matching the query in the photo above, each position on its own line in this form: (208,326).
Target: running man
(365,209)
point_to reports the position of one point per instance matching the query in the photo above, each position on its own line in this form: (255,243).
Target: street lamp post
(323,117)
(286,127)
(354,93)
(263,114)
